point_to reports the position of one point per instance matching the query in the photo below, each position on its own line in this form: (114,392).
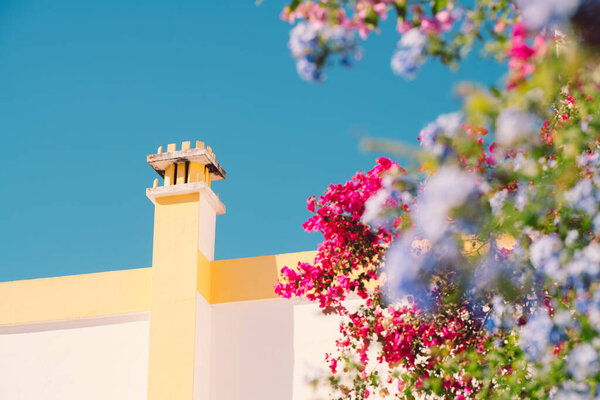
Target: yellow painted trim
(253,278)
(129,291)
(76,296)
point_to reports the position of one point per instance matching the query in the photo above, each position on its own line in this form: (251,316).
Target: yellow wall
(251,278)
(173,304)
(76,296)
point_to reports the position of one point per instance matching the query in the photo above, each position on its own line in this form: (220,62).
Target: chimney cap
(161,161)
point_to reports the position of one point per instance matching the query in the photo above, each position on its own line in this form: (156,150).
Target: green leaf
(294,4)
(438,5)
(400,6)
(372,18)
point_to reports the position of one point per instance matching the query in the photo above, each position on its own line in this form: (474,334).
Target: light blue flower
(377,214)
(596,224)
(593,308)
(583,197)
(584,264)
(308,70)
(534,336)
(501,316)
(310,43)
(583,361)
(514,125)
(410,54)
(538,14)
(304,39)
(444,125)
(448,189)
(545,255)
(573,391)
(407,265)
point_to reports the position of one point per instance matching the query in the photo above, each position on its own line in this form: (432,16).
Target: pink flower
(521,54)
(310,204)
(333,365)
(381,9)
(403,27)
(500,26)
(445,20)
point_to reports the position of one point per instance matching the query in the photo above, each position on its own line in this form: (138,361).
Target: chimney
(184,240)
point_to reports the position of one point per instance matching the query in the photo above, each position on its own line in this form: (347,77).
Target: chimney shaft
(184,239)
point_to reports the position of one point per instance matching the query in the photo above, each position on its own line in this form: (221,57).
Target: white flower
(592,159)
(450,123)
(571,237)
(413,38)
(521,197)
(497,201)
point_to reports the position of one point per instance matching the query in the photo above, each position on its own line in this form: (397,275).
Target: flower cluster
(410,54)
(348,258)
(540,14)
(410,344)
(479,275)
(311,43)
(522,54)
(424,32)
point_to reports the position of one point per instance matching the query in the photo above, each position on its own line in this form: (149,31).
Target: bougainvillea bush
(478,274)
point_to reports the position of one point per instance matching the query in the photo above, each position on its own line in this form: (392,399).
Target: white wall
(266,349)
(314,335)
(207,220)
(91,359)
(252,350)
(202,367)
(257,350)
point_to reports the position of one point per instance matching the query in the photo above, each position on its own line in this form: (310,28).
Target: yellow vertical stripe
(173,301)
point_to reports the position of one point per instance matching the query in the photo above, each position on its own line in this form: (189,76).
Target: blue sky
(88,89)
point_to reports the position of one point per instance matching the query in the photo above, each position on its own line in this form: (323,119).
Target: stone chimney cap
(203,155)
